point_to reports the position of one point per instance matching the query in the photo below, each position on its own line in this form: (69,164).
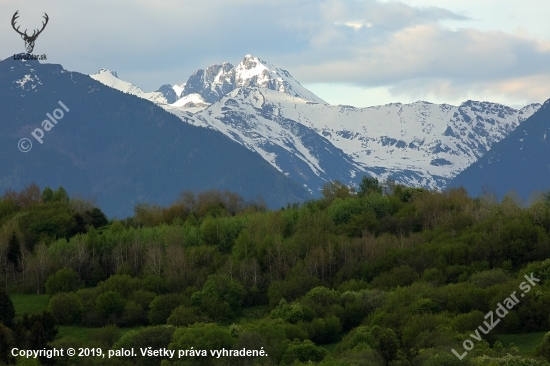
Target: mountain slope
(110,78)
(248,116)
(520,162)
(419,144)
(121,149)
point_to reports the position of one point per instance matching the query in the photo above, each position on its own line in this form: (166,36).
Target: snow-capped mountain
(110,78)
(520,162)
(263,108)
(216,81)
(248,116)
(419,144)
(115,147)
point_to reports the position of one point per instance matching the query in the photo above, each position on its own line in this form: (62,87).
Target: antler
(36,31)
(15,16)
(34,34)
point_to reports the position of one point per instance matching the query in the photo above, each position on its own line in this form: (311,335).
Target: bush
(382,340)
(489,278)
(183,316)
(544,347)
(123,284)
(64,280)
(220,297)
(305,351)
(464,323)
(292,313)
(109,304)
(162,307)
(325,330)
(66,308)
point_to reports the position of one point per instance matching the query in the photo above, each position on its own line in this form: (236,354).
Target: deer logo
(29,40)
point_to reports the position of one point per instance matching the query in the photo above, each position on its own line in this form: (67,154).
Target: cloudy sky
(356,52)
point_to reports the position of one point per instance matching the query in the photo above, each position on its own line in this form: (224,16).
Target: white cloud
(407,49)
(355,24)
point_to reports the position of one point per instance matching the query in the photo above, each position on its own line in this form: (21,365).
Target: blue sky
(356,52)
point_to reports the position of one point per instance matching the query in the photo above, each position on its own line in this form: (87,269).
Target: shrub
(162,306)
(544,347)
(66,308)
(305,351)
(109,304)
(64,280)
(489,278)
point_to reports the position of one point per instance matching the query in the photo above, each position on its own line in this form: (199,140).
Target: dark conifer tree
(7,311)
(14,251)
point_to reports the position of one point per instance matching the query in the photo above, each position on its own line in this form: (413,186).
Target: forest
(381,274)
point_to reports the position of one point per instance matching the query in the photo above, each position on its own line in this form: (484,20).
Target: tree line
(381,275)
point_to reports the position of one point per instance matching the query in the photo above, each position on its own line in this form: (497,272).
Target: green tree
(97,217)
(335,189)
(325,330)
(305,351)
(183,316)
(109,304)
(380,339)
(64,280)
(60,196)
(369,185)
(163,305)
(398,276)
(47,195)
(220,297)
(123,284)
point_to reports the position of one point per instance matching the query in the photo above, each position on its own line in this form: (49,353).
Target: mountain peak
(110,78)
(106,71)
(218,80)
(252,59)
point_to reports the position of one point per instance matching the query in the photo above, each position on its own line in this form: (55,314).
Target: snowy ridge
(263,108)
(419,144)
(246,117)
(432,139)
(110,78)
